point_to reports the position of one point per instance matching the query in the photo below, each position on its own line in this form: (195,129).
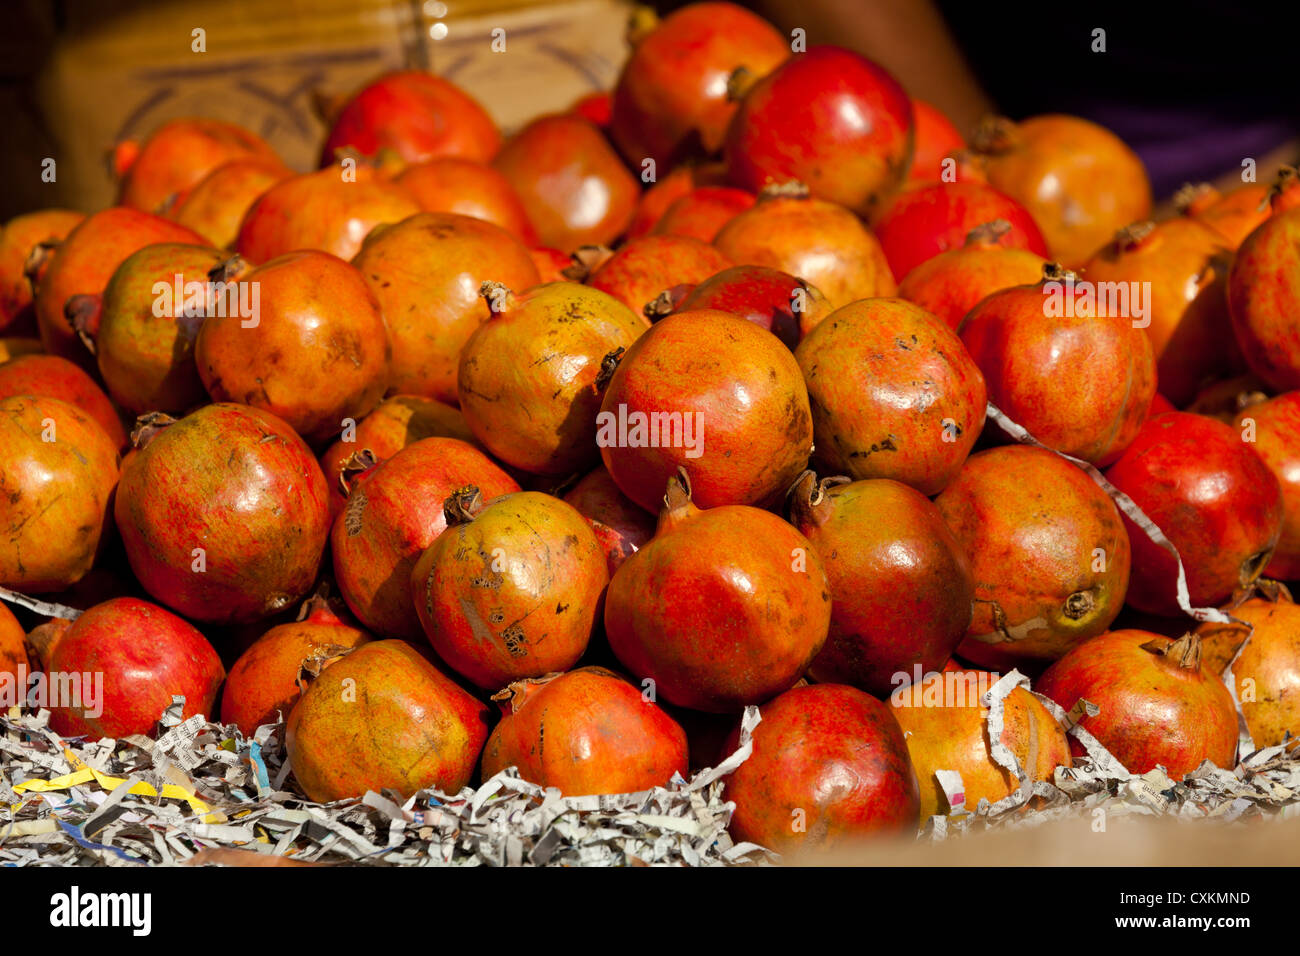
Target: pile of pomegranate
(713,392)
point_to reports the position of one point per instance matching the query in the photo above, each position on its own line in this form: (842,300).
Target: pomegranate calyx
(1132,235)
(356,463)
(513,696)
(147,427)
(498,297)
(666,302)
(1195,198)
(994,134)
(1185,652)
(585,261)
(462,505)
(83,313)
(988,233)
(608,366)
(228,269)
(1055,272)
(36,260)
(791,189)
(739,83)
(641,22)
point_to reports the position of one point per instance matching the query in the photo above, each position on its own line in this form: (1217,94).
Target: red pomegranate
(223,514)
(13,645)
(574,187)
(52,377)
(662,193)
(749,589)
(1267,671)
(1158,705)
(1264,299)
(1064,362)
(19,239)
(384,716)
(415,114)
(551,264)
(921,223)
(1274,428)
(771,299)
(132,657)
(829,767)
(954,282)
(645,267)
(817,241)
(217,204)
(426,274)
(528,410)
(829,118)
(1211,495)
(893,394)
(589,731)
(1233,216)
(936,138)
(393,513)
(703,211)
(622,527)
(1049,554)
(512,588)
(712,393)
(468,188)
(900,583)
(594,107)
(1077,179)
(332,210)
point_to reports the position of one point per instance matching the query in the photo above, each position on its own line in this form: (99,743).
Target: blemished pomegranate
(954,282)
(512,588)
(712,393)
(936,138)
(829,118)
(526,408)
(1049,554)
(415,114)
(19,238)
(1158,705)
(217,204)
(786,306)
(223,513)
(703,211)
(818,241)
(58,469)
(1264,296)
(1273,430)
(830,767)
(573,185)
(750,590)
(622,527)
(1212,496)
(645,267)
(671,101)
(900,583)
(589,731)
(393,513)
(426,273)
(53,377)
(468,188)
(384,716)
(946,726)
(141,655)
(893,394)
(1074,372)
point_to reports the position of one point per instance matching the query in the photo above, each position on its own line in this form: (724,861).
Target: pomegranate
(595,107)
(643,268)
(1222,400)
(145,342)
(1211,495)
(140,656)
(223,513)
(817,241)
(384,716)
(829,118)
(1077,179)
(1264,298)
(713,393)
(1233,216)
(1158,705)
(527,409)
(946,727)
(1071,369)
(921,223)
(551,263)
(19,239)
(58,469)
(622,527)
(1267,672)
(468,188)
(574,188)
(703,211)
(829,767)
(771,299)
(393,513)
(1160,405)
(954,282)
(663,192)
(13,347)
(747,587)
(426,274)
(13,647)
(512,589)
(589,731)
(1274,427)
(303,304)
(936,138)
(217,204)
(900,583)
(52,377)
(1049,553)
(893,394)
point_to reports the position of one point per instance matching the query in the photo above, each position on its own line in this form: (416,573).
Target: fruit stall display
(643,486)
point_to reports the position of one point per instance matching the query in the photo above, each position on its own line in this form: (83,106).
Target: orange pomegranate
(1274,428)
(468,188)
(19,238)
(217,204)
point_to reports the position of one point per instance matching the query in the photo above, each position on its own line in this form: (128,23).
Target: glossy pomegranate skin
(1049,552)
(936,137)
(751,429)
(415,114)
(18,237)
(1080,383)
(217,204)
(1212,496)
(921,223)
(900,583)
(393,513)
(58,470)
(144,655)
(53,377)
(426,273)
(13,644)
(771,299)
(643,268)
(384,716)
(662,193)
(1277,441)
(589,731)
(828,118)
(574,187)
(703,211)
(893,394)
(550,264)
(468,188)
(1154,710)
(834,753)
(238,483)
(622,527)
(1263,299)
(1267,672)
(671,99)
